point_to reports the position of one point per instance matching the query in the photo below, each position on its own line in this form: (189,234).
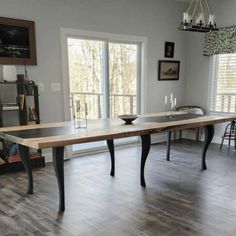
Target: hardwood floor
(179,199)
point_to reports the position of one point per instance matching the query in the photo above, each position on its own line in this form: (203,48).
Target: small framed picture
(168,70)
(169,49)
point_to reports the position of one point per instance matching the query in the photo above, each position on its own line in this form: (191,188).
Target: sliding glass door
(105,75)
(123,67)
(86,74)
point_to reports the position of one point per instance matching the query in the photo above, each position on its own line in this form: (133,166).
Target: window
(86,63)
(223,94)
(104,75)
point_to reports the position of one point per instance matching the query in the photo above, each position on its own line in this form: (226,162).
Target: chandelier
(198,17)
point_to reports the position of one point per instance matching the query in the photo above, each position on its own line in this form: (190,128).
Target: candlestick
(175,100)
(171,97)
(186,17)
(200,19)
(166,100)
(211,20)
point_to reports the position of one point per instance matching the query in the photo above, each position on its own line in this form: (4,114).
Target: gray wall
(198,67)
(155,19)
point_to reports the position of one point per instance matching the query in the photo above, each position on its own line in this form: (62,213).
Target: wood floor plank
(179,200)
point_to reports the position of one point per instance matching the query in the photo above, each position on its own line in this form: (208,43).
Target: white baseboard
(188,134)
(158,138)
(47,153)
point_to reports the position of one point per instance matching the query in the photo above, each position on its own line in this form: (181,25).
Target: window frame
(214,70)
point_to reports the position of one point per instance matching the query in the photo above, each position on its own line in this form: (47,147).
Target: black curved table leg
(209,133)
(58,161)
(24,155)
(110,144)
(146,143)
(168,140)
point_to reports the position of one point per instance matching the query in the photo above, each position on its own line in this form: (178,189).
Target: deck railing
(119,103)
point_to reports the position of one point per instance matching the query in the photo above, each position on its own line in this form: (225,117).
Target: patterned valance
(220,42)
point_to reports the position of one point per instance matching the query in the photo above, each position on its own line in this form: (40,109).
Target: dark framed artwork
(169,49)
(168,70)
(17,42)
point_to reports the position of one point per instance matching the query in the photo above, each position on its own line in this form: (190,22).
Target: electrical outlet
(41,87)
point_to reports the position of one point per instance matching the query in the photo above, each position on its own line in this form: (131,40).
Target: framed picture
(17,42)
(169,49)
(168,70)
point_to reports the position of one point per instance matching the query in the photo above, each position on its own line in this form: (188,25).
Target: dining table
(58,135)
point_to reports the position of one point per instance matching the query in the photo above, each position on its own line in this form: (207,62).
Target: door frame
(76,33)
(101,36)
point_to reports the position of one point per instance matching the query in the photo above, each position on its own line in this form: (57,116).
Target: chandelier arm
(190,5)
(208,7)
(195,8)
(204,19)
(201,6)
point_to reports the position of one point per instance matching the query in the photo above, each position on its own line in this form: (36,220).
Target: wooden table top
(64,133)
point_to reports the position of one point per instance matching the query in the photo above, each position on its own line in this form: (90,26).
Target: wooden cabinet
(19,105)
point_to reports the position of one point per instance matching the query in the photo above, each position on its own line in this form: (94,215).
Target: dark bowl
(128,118)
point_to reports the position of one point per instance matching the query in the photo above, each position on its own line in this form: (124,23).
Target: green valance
(220,42)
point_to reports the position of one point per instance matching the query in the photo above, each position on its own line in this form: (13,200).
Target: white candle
(175,100)
(211,20)
(171,97)
(200,19)
(172,105)
(166,100)
(186,17)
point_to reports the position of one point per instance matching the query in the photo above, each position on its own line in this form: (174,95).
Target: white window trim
(213,83)
(67,32)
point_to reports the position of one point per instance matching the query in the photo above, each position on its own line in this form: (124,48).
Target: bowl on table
(128,119)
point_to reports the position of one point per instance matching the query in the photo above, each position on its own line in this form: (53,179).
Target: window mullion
(138,82)
(106,92)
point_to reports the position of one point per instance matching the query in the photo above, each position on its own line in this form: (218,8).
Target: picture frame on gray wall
(169,49)
(17,42)
(168,70)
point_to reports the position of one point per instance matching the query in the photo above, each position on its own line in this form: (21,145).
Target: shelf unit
(24,113)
